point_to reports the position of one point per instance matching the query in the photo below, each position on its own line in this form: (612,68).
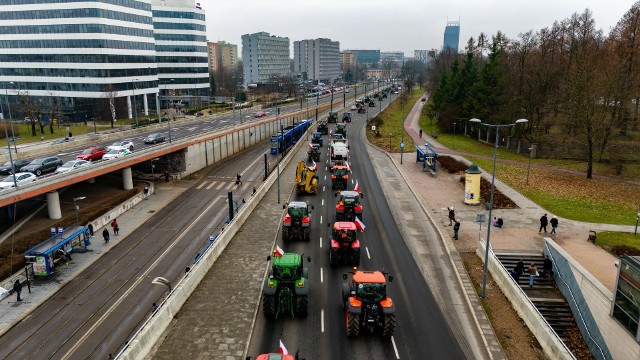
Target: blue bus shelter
(427,156)
(44,256)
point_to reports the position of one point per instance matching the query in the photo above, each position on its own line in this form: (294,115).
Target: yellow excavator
(306,179)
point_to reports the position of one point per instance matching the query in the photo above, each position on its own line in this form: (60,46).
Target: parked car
(92,153)
(9,168)
(72,165)
(20,178)
(154,138)
(115,153)
(124,144)
(42,165)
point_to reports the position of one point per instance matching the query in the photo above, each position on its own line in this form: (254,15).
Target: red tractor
(349,206)
(345,246)
(366,304)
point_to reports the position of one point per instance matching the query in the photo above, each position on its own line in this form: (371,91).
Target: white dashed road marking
(322,323)
(368,255)
(395,348)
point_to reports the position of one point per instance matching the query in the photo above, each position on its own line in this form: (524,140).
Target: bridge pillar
(146,104)
(91,181)
(127,179)
(130,113)
(53,205)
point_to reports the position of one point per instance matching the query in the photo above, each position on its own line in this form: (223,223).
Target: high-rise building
(366,57)
(181,47)
(421,55)
(64,57)
(347,60)
(393,57)
(452,36)
(264,57)
(227,55)
(317,59)
(212,56)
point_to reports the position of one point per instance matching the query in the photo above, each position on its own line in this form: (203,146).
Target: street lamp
(76,208)
(529,166)
(13,134)
(153,177)
(493,177)
(135,102)
(162,281)
(402,101)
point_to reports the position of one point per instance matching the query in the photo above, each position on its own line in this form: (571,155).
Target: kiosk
(472,178)
(44,256)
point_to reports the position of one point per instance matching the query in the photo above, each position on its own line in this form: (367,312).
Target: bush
(451,165)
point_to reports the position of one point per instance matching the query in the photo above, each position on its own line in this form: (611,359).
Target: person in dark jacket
(554,224)
(105,235)
(547,266)
(452,215)
(456,227)
(17,287)
(518,270)
(543,223)
(90,227)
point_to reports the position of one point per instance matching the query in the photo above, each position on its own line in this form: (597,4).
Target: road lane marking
(325,177)
(322,202)
(220,186)
(368,256)
(211,185)
(321,243)
(322,321)
(394,347)
(251,165)
(322,188)
(320,219)
(201,185)
(321,277)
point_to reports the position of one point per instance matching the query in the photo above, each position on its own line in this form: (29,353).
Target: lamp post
(493,177)
(13,172)
(279,147)
(529,166)
(13,134)
(402,129)
(76,208)
(135,102)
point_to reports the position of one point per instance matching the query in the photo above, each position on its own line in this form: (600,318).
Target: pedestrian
(452,215)
(90,226)
(543,224)
(115,226)
(518,270)
(547,266)
(238,181)
(105,235)
(456,227)
(554,224)
(146,192)
(17,287)
(494,222)
(254,191)
(533,272)
(166,176)
(420,133)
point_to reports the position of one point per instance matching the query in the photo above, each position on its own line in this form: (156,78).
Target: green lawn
(608,240)
(390,133)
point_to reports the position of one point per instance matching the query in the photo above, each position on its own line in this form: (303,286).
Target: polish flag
(357,187)
(283,350)
(310,146)
(348,167)
(315,166)
(278,251)
(359,224)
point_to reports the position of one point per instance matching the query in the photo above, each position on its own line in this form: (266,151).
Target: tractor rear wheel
(306,234)
(302,304)
(355,258)
(339,217)
(269,306)
(389,325)
(353,324)
(286,234)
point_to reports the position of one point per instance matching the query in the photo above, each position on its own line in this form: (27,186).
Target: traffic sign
(401,145)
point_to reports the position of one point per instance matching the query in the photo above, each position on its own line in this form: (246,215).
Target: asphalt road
(94,314)
(422,331)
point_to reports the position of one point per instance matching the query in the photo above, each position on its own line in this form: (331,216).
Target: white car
(115,153)
(354,108)
(125,144)
(72,165)
(21,178)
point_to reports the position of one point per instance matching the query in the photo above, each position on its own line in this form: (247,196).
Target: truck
(306,179)
(366,304)
(286,290)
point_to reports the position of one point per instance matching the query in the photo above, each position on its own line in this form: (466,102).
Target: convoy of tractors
(366,306)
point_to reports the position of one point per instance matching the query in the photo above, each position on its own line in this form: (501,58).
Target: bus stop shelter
(44,256)
(427,156)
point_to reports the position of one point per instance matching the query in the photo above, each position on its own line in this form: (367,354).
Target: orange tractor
(366,304)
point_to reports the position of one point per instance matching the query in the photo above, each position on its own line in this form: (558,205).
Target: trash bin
(472,185)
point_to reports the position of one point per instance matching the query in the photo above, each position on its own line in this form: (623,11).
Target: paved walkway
(519,233)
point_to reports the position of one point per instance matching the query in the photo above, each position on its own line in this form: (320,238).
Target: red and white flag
(310,146)
(357,187)
(359,224)
(283,350)
(315,166)
(278,251)
(348,167)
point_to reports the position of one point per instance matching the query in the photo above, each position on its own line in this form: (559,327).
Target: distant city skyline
(402,25)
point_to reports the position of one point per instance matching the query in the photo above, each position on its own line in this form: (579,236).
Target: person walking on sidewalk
(452,215)
(90,227)
(420,133)
(554,224)
(105,235)
(115,226)
(543,224)
(145,192)
(17,287)
(533,272)
(456,227)
(166,176)
(547,266)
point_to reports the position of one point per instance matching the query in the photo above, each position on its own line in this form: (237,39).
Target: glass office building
(452,36)
(366,57)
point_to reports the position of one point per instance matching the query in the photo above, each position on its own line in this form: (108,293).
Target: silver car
(20,178)
(71,165)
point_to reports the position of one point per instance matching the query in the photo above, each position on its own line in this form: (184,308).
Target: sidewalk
(519,233)
(11,312)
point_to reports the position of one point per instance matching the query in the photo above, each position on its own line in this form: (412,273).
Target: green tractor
(286,291)
(341,129)
(314,152)
(296,222)
(333,117)
(323,128)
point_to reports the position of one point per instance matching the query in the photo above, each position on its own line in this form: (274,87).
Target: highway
(422,331)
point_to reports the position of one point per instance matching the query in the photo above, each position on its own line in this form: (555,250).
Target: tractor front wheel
(286,234)
(389,325)
(269,306)
(353,324)
(306,234)
(302,304)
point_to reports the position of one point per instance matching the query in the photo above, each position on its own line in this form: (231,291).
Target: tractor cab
(339,176)
(297,211)
(346,117)
(316,138)
(341,129)
(369,286)
(333,117)
(348,207)
(368,308)
(344,231)
(323,128)
(287,267)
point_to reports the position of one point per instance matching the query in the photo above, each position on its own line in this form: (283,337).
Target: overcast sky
(395,25)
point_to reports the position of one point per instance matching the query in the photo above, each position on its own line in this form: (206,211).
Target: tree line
(578,87)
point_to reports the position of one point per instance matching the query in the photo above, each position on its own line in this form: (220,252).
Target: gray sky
(395,25)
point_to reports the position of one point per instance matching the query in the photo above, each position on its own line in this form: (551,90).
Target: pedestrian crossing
(211,184)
